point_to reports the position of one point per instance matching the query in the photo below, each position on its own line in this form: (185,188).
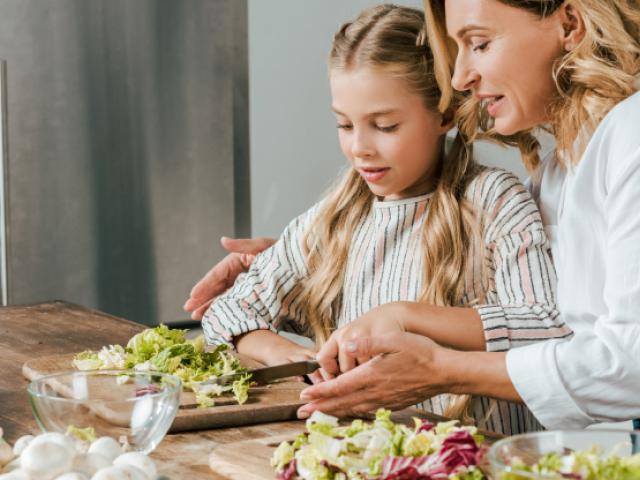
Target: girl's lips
(372,175)
(493,105)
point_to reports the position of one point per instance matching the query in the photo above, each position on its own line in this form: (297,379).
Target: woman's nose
(464,75)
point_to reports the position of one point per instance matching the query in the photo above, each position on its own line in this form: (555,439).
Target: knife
(267,374)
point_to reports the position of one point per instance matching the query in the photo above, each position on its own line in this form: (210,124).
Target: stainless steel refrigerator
(124,151)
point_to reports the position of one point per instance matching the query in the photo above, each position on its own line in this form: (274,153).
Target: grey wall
(128,134)
(294,147)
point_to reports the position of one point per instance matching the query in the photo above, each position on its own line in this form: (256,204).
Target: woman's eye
(480,47)
(344,126)
(387,128)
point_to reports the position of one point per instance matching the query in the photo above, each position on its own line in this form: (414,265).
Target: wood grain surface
(267,403)
(39,330)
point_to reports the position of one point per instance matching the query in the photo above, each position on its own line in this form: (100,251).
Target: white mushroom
(45,460)
(140,461)
(73,476)
(18,474)
(90,463)
(107,447)
(55,437)
(125,472)
(21,444)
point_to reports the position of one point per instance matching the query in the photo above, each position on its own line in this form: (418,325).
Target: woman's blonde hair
(390,38)
(591,79)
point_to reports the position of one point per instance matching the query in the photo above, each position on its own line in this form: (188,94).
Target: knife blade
(267,374)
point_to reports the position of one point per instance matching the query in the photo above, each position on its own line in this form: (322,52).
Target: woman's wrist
(475,373)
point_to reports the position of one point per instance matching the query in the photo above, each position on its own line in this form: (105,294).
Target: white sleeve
(595,376)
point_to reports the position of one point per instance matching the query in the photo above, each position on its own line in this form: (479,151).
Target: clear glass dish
(531,447)
(136,408)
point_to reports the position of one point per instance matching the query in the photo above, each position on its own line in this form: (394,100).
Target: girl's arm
(266,296)
(270,348)
(520,308)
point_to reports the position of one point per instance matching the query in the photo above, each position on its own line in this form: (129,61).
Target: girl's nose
(361,146)
(464,75)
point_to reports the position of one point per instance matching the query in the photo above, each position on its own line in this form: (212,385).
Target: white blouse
(592,216)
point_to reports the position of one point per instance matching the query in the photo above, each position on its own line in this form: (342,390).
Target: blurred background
(135,134)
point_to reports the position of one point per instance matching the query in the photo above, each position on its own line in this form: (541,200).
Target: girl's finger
(199,312)
(315,377)
(325,375)
(347,362)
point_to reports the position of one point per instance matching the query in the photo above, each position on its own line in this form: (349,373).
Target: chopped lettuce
(381,449)
(86,435)
(166,350)
(580,465)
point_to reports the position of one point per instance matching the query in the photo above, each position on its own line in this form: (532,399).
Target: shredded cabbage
(166,350)
(380,450)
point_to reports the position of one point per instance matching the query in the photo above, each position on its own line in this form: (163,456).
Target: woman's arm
(221,277)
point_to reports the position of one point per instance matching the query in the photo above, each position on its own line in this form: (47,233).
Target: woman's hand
(405,369)
(402,372)
(336,357)
(224,273)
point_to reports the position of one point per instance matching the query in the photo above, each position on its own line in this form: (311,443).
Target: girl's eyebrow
(372,114)
(467,28)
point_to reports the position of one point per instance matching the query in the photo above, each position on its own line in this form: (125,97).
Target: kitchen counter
(31,331)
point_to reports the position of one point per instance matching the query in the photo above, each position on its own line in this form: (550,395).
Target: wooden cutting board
(269,403)
(250,459)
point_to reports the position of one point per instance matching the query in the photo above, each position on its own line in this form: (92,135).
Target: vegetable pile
(165,350)
(380,450)
(75,456)
(579,465)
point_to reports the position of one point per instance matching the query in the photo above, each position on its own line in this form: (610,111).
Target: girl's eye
(481,47)
(344,126)
(387,129)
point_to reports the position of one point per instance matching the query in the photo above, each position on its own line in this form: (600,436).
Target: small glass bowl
(133,407)
(530,447)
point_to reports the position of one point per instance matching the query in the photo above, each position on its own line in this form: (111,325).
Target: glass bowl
(531,447)
(133,407)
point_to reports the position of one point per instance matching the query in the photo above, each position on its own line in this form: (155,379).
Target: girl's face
(505,58)
(386,132)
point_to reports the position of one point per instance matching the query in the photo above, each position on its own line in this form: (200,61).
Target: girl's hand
(336,354)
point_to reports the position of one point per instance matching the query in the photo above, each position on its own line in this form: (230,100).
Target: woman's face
(505,58)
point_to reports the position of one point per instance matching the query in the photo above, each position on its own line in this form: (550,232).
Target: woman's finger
(198,313)
(251,246)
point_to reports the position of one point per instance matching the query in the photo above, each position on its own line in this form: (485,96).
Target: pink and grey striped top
(385,264)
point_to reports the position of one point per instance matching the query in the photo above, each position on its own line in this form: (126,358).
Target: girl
(572,67)
(407,222)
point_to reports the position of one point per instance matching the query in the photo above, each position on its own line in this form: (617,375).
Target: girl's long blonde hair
(392,39)
(591,79)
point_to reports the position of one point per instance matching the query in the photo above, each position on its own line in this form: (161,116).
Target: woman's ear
(573,26)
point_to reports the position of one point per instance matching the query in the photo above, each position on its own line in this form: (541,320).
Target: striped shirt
(385,264)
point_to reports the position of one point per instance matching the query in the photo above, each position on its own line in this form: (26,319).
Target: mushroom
(21,444)
(46,460)
(90,463)
(140,461)
(107,447)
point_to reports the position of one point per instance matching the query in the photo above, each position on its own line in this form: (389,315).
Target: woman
(572,67)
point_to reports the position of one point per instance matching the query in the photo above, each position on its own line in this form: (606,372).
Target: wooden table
(30,331)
